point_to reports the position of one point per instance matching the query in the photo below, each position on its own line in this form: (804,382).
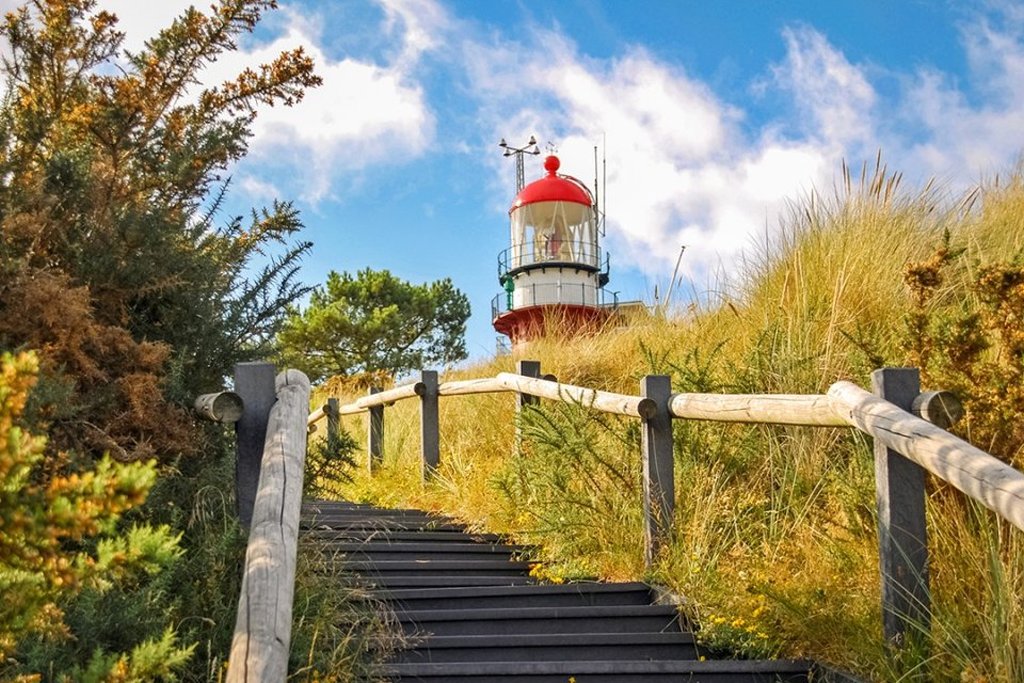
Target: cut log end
(222,406)
(941,408)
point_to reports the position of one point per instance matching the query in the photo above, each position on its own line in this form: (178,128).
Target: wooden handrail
(259,647)
(968,468)
(987,480)
(605,401)
(782,409)
(361,405)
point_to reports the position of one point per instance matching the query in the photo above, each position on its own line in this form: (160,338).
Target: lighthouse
(553,273)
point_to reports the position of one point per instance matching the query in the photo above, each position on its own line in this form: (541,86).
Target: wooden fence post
(374,436)
(333,412)
(902,534)
(254,383)
(659,481)
(430,438)
(527,368)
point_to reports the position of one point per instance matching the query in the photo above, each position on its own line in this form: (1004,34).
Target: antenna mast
(529,148)
(672,284)
(604,181)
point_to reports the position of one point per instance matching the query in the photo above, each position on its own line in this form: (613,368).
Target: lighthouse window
(553,232)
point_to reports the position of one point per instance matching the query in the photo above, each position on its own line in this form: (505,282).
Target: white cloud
(681,169)
(141,21)
(959,134)
(686,167)
(365,113)
(828,90)
(422,24)
(258,189)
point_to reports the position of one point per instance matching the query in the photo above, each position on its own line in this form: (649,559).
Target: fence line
(907,426)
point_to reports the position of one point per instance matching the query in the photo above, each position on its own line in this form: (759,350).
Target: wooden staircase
(473,613)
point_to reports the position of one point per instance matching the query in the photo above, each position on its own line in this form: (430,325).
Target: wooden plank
(902,528)
(526,368)
(391,395)
(605,401)
(314,417)
(259,647)
(785,409)
(991,482)
(941,408)
(658,466)
(254,383)
(333,419)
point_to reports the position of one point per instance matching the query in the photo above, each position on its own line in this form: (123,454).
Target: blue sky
(710,115)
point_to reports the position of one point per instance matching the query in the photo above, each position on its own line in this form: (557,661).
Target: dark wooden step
(381,524)
(384,584)
(602,671)
(538,620)
(552,647)
(564,595)
(399,535)
(485,567)
(378,551)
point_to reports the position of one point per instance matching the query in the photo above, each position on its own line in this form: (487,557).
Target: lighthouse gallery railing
(572,254)
(568,293)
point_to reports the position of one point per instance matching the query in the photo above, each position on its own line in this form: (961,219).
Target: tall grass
(774,549)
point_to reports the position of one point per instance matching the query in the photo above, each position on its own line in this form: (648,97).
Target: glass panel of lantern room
(517,252)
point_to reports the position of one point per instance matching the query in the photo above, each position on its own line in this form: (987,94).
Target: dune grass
(774,549)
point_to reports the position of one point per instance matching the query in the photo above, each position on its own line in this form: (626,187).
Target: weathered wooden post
(658,466)
(374,436)
(254,383)
(333,411)
(526,368)
(430,437)
(902,535)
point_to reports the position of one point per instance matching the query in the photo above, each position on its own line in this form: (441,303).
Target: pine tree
(374,321)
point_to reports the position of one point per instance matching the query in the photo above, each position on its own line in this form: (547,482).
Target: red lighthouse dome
(553,188)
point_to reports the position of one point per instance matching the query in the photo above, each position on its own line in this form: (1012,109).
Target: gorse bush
(774,547)
(120,269)
(114,261)
(59,540)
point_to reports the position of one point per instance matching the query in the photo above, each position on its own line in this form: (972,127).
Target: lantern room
(554,220)
(554,266)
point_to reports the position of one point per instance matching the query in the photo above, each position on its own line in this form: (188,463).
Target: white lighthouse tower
(554,271)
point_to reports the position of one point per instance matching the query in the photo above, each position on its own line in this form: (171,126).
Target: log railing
(259,648)
(906,425)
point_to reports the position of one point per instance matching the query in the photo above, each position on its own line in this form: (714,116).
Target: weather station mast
(553,273)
